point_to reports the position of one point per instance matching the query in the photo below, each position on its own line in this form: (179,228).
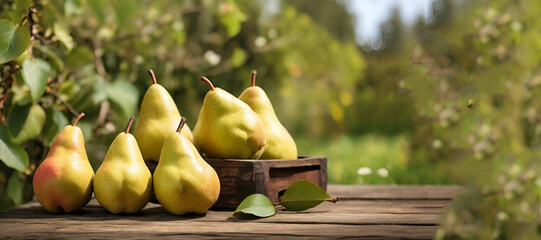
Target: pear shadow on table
(38,212)
(158,213)
(98,213)
(221,209)
(149,213)
(284,212)
(247,218)
(250,217)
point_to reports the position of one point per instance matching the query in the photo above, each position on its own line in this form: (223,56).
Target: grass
(369,159)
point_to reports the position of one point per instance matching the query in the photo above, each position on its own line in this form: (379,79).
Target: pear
(280,144)
(183,181)
(63,181)
(228,127)
(123,182)
(158,116)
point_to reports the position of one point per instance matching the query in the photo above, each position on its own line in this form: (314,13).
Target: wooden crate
(241,178)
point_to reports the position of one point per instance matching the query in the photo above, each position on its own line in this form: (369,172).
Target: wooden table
(379,212)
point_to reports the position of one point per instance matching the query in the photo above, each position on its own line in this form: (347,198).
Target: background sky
(370,14)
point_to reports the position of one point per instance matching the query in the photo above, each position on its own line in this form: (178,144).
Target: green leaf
(23,5)
(86,128)
(62,34)
(126,11)
(178,32)
(80,56)
(51,14)
(99,8)
(12,154)
(21,94)
(3,181)
(25,122)
(231,17)
(55,122)
(15,188)
(256,204)
(35,75)
(125,95)
(303,195)
(72,7)
(13,40)
(5,203)
(231,23)
(55,60)
(238,57)
(99,93)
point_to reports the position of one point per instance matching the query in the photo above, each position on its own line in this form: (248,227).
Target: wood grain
(368,212)
(394,192)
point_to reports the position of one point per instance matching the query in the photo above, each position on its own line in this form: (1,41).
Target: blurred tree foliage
(331,15)
(475,81)
(59,58)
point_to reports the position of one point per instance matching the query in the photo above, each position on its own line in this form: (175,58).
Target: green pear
(63,181)
(158,117)
(183,181)
(123,182)
(280,144)
(228,127)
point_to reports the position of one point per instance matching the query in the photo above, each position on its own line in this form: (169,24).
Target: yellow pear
(280,144)
(123,182)
(228,127)
(157,118)
(183,181)
(63,181)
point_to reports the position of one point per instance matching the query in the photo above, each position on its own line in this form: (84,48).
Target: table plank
(394,192)
(176,229)
(364,212)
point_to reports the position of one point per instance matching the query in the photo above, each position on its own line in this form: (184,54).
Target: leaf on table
(303,195)
(13,40)
(35,75)
(25,122)
(12,154)
(257,205)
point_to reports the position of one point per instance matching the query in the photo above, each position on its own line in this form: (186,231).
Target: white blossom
(382,172)
(260,41)
(212,58)
(364,171)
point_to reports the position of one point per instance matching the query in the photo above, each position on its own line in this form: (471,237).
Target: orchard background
(450,100)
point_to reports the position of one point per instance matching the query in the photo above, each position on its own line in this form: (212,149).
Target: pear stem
(181,124)
(152,76)
(81,115)
(206,80)
(253,77)
(129,125)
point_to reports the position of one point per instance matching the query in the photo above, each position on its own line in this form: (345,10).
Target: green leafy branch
(300,196)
